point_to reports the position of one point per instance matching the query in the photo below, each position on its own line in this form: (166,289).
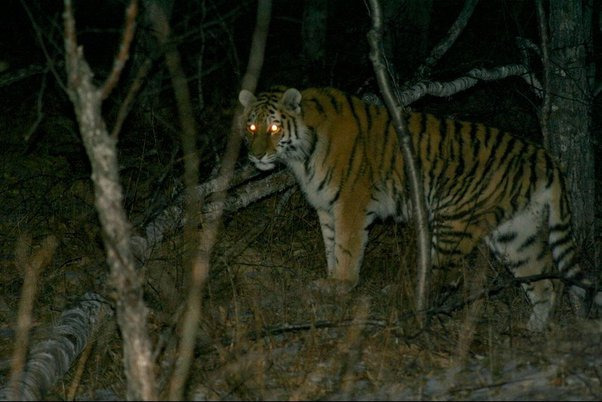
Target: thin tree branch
(545,53)
(40,113)
(443,46)
(188,124)
(411,169)
(124,49)
(38,31)
(208,236)
(32,267)
(125,106)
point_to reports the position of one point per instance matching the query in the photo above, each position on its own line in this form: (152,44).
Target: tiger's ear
(246,98)
(291,100)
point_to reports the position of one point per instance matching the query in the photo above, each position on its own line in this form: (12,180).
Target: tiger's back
(479,183)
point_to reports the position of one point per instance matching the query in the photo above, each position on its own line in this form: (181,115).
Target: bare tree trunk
(569,138)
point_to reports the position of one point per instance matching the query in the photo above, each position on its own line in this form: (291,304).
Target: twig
(188,124)
(31,266)
(412,172)
(40,112)
(475,282)
(10,77)
(545,43)
(79,371)
(125,106)
(38,31)
(198,273)
(200,60)
(124,50)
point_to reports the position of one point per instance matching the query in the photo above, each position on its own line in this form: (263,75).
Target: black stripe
(318,105)
(560,227)
(561,241)
(476,143)
(351,158)
(333,101)
(549,170)
(358,122)
(443,134)
(563,255)
(447,252)
(528,242)
(326,179)
(335,198)
(506,237)
(517,264)
(460,167)
(368,111)
(313,141)
(388,136)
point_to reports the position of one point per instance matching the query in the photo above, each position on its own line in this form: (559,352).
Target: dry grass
(265,335)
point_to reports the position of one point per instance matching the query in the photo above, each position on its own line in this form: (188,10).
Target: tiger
(480,183)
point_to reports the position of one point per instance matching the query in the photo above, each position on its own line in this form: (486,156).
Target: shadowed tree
(569,119)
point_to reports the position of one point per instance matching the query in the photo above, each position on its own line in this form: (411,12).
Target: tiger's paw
(331,286)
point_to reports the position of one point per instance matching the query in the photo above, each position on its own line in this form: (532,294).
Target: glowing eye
(252,127)
(274,128)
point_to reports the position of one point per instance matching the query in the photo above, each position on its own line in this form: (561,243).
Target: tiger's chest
(314,183)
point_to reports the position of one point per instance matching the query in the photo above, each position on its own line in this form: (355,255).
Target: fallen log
(50,359)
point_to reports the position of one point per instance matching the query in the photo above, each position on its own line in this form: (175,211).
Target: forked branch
(101,150)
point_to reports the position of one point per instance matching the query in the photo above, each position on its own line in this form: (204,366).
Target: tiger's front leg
(327,227)
(344,245)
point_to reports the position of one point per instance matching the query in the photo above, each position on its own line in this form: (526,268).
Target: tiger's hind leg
(521,245)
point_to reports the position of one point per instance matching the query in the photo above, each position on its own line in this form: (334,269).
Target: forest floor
(265,334)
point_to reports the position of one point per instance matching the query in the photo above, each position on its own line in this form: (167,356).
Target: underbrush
(265,334)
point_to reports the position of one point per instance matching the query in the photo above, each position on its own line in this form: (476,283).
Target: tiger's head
(272,126)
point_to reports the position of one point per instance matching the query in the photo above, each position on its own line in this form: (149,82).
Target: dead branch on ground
(50,359)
